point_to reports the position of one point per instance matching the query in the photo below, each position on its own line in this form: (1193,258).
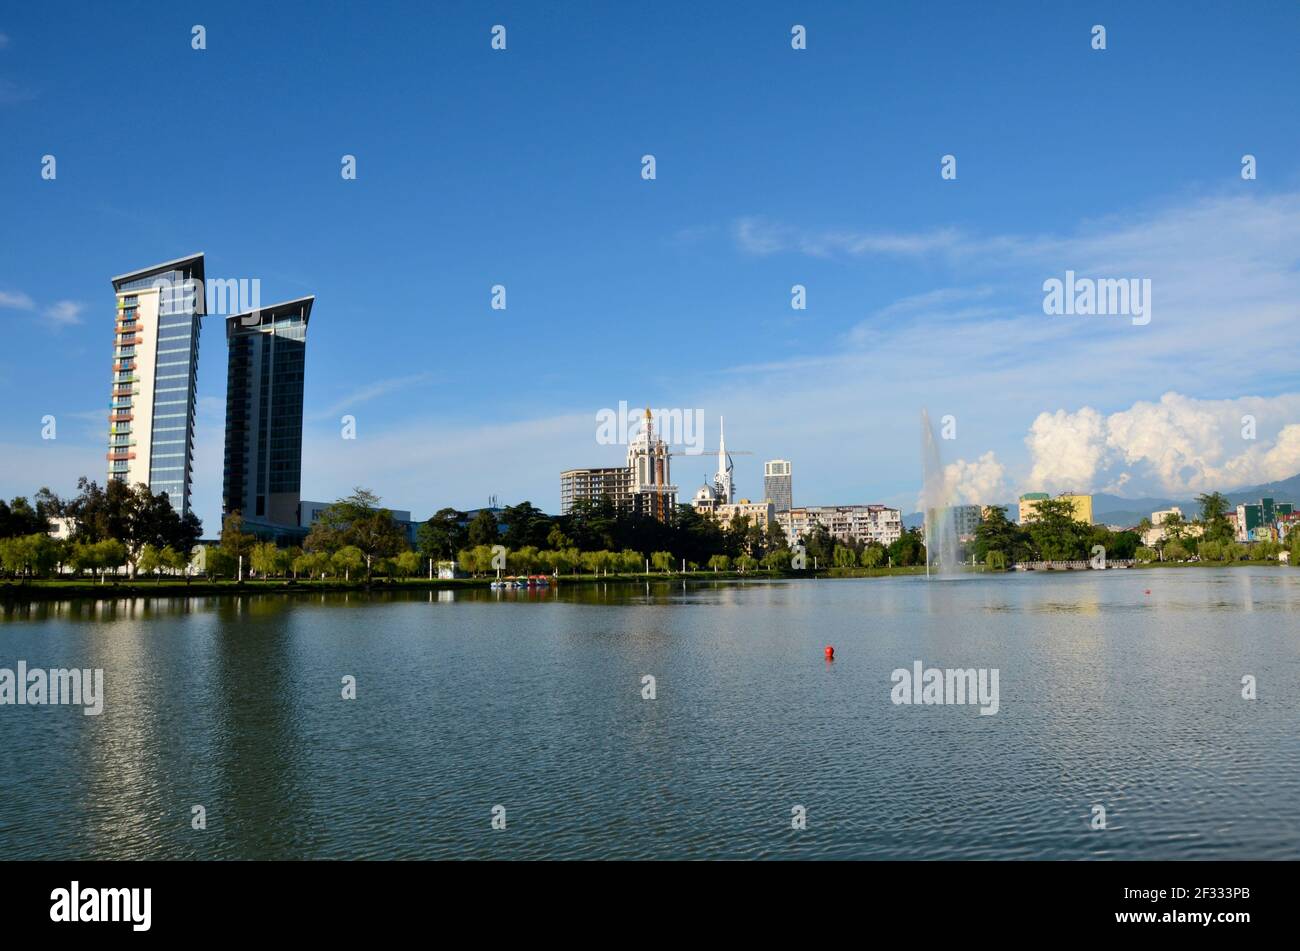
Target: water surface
(469,700)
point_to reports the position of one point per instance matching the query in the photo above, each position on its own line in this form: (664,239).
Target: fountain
(936,497)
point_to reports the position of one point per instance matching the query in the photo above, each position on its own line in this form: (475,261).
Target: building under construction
(643,486)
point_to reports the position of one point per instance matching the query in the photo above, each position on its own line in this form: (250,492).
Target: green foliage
(996,560)
(874,555)
(908,550)
(777,559)
(348,560)
(357,522)
(483,529)
(28,556)
(662,560)
(442,535)
(1214,507)
(1055,533)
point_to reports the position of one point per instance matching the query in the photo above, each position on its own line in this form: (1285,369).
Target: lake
(534,702)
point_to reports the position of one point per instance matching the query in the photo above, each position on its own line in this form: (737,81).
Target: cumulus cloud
(1177,445)
(975,483)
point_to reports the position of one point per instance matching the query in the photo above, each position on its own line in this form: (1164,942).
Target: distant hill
(1114,510)
(1117,510)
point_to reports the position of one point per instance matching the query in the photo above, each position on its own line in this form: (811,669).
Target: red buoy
(830,652)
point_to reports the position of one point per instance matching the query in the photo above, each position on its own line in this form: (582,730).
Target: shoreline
(60,589)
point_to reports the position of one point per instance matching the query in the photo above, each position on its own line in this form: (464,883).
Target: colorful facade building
(155,377)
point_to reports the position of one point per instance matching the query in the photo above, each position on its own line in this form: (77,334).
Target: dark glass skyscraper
(264,379)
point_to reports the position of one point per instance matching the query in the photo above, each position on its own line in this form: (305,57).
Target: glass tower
(155,377)
(777,484)
(264,381)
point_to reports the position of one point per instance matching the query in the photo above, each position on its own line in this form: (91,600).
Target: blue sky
(774,167)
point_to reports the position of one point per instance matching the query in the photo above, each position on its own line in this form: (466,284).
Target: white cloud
(65,312)
(981,482)
(370,391)
(1179,445)
(1067,449)
(756,235)
(16,300)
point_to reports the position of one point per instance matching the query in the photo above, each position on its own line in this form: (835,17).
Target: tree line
(112,526)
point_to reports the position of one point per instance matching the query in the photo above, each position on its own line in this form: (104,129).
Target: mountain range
(1116,510)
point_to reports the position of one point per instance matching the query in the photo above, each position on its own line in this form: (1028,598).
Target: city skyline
(944,276)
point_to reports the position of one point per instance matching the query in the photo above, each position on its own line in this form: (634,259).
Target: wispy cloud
(372,391)
(16,300)
(756,235)
(64,312)
(11,93)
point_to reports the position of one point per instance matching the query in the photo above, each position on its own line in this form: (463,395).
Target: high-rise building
(1256,521)
(643,485)
(264,380)
(651,490)
(778,485)
(592,485)
(155,375)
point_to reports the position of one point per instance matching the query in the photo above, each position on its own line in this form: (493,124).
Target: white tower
(722,479)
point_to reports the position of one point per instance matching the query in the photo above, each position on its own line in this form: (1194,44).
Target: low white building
(863,523)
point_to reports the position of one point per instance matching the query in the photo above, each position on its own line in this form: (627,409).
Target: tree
(235,542)
(177,561)
(19,518)
(357,522)
(844,557)
(265,559)
(29,555)
(556,538)
(996,560)
(777,559)
(662,560)
(148,560)
(909,549)
(746,562)
(1214,506)
(1056,534)
(997,533)
(874,555)
(348,559)
(483,529)
(442,535)
(719,563)
(406,564)
(525,525)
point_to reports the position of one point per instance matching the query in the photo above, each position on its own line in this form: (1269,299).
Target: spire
(722,445)
(723,478)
